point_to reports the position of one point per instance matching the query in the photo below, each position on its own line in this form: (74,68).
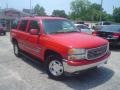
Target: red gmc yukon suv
(56,42)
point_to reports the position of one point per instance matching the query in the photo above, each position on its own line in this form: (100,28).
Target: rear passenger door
(22,34)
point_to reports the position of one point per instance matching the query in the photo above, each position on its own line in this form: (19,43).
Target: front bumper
(76,68)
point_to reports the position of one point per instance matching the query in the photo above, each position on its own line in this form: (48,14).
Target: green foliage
(39,10)
(82,10)
(79,8)
(107,17)
(59,13)
(116,14)
(85,10)
(94,11)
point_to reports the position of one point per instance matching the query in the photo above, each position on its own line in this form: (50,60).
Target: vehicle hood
(77,40)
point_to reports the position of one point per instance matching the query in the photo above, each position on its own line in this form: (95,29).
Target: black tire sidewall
(16,44)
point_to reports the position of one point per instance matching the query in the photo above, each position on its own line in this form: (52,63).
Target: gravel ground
(24,74)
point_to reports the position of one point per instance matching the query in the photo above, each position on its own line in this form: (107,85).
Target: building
(30,11)
(7,16)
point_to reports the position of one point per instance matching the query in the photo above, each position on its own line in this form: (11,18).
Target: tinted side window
(14,24)
(34,25)
(23,25)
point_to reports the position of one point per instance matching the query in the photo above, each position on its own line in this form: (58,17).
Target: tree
(39,10)
(106,16)
(94,12)
(79,8)
(85,10)
(59,13)
(116,14)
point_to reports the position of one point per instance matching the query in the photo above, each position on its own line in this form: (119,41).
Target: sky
(50,5)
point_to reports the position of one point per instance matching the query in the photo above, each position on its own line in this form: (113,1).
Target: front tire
(16,49)
(54,67)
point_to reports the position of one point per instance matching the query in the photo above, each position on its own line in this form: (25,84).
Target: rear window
(111,28)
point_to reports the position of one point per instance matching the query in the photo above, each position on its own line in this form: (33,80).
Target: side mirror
(33,31)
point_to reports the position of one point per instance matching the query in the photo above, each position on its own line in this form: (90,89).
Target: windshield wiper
(72,31)
(60,32)
(65,31)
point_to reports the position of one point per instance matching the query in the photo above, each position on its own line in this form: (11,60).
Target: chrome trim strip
(97,48)
(72,69)
(37,49)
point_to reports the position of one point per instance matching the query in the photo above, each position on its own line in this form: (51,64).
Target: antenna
(7,5)
(30,4)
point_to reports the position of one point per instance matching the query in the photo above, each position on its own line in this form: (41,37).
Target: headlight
(76,54)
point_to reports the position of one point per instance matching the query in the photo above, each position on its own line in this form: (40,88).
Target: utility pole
(30,8)
(101,10)
(30,4)
(7,5)
(113,7)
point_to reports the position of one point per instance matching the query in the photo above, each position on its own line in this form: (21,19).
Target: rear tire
(54,67)
(16,49)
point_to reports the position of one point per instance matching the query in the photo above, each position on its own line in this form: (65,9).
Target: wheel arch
(49,52)
(14,40)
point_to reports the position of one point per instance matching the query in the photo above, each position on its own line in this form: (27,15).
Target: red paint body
(37,45)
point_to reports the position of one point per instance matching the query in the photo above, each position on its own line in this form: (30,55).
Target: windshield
(58,26)
(111,28)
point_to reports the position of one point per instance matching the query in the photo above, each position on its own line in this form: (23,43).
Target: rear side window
(23,25)
(34,25)
(14,24)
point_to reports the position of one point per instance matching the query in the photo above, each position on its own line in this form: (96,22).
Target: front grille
(95,53)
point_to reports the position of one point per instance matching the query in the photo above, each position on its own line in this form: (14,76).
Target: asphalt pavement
(24,74)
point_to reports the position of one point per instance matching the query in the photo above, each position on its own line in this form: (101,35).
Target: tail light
(116,35)
(94,33)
